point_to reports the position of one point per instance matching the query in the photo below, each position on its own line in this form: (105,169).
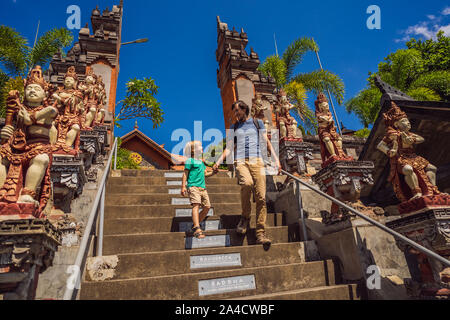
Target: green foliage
(6,87)
(435,54)
(296,86)
(363,133)
(306,117)
(423,94)
(49,44)
(321,81)
(438,81)
(17,58)
(275,68)
(362,106)
(140,102)
(123,158)
(421,71)
(401,68)
(293,55)
(13,51)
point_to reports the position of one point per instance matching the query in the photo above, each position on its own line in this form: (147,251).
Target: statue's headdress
(321,98)
(71,73)
(282,93)
(92,74)
(393,115)
(35,77)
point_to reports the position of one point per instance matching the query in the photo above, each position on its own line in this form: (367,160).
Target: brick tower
(98,51)
(238,77)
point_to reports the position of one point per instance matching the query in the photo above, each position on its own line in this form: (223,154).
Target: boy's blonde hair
(193,149)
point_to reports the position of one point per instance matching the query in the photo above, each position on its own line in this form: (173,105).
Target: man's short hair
(241,104)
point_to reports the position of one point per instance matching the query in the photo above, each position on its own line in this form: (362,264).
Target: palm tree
(298,85)
(17,57)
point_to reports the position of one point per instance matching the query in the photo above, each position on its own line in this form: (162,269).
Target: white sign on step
(216,260)
(173,175)
(205,225)
(174,183)
(208,242)
(181,213)
(180,201)
(224,285)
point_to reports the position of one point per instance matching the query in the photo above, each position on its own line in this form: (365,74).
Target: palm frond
(305,116)
(365,105)
(13,48)
(276,68)
(293,55)
(321,81)
(49,44)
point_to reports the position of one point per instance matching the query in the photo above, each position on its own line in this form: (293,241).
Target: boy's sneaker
(242,225)
(261,238)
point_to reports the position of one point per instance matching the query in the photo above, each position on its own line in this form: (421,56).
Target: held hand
(215,168)
(23,114)
(408,138)
(392,153)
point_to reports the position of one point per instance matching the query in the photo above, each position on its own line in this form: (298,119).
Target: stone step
(337,292)
(151,189)
(165,198)
(162,263)
(161,180)
(182,224)
(151,242)
(161,173)
(167,210)
(245,282)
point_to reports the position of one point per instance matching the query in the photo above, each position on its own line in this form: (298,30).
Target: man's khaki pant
(251,174)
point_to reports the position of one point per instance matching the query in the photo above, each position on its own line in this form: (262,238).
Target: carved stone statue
(258,110)
(100,117)
(71,108)
(25,157)
(286,123)
(90,92)
(411,175)
(330,140)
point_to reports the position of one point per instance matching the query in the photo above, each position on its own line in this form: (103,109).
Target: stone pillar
(27,248)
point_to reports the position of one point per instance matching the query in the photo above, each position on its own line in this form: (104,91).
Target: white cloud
(446,30)
(429,28)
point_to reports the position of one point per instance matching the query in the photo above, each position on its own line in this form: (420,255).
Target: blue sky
(180,55)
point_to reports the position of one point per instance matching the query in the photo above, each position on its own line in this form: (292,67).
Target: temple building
(154,156)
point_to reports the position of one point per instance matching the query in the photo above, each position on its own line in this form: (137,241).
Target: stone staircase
(145,226)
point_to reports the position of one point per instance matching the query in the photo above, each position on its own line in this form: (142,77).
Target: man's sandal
(198,233)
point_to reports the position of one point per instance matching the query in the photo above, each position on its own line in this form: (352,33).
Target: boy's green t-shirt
(196,176)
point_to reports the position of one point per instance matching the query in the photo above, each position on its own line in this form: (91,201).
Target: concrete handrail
(98,204)
(417,246)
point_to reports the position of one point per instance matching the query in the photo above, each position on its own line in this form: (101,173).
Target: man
(250,168)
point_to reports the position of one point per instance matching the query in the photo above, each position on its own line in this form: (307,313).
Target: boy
(194,176)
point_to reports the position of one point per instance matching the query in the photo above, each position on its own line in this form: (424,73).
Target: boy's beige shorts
(199,195)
